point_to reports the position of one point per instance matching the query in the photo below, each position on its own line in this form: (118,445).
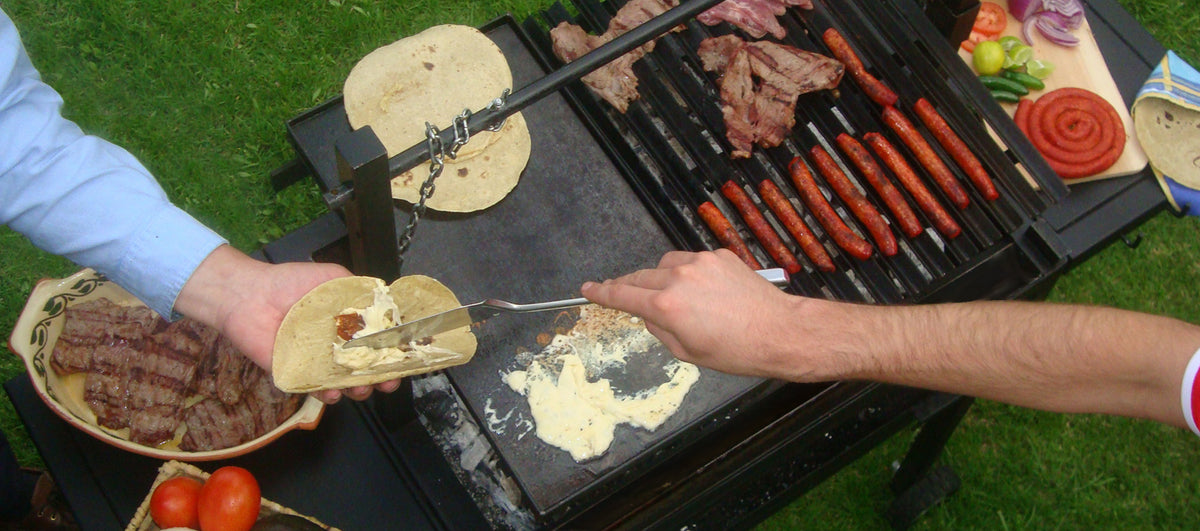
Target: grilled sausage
(795,225)
(726,234)
(909,180)
(760,227)
(905,217)
(929,159)
(811,195)
(862,209)
(872,86)
(957,148)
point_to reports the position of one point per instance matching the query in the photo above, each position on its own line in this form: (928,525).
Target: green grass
(200,92)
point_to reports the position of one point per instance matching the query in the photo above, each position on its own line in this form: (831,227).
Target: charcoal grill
(650,168)
(605,193)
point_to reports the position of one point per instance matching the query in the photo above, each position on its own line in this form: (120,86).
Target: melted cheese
(380,315)
(580,416)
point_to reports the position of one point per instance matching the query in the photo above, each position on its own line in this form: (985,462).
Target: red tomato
(173,503)
(229,500)
(975,38)
(991,19)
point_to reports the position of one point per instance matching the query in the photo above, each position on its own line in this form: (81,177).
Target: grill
(606,192)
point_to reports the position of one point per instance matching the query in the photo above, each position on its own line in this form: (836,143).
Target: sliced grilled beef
(759,83)
(97,321)
(755,17)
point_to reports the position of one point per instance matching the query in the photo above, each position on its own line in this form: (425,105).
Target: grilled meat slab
(755,17)
(759,84)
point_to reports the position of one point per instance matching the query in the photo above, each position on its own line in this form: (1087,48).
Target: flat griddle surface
(573,217)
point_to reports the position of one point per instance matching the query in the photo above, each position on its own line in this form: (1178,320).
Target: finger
(388,386)
(625,297)
(669,340)
(328,396)
(358,393)
(677,258)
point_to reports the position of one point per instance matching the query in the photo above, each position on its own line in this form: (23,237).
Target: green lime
(1018,55)
(988,57)
(1009,42)
(1039,68)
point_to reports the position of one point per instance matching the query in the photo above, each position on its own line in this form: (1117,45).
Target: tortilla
(303,359)
(431,77)
(1167,132)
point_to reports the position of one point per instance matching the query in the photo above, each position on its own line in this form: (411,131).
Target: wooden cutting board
(1080,66)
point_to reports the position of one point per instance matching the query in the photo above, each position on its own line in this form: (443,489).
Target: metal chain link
(437,152)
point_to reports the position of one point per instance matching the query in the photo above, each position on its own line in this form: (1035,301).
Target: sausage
(845,238)
(909,180)
(906,219)
(873,87)
(795,225)
(862,209)
(760,227)
(726,234)
(957,148)
(928,158)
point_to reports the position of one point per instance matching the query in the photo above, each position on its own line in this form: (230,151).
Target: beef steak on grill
(759,83)
(755,17)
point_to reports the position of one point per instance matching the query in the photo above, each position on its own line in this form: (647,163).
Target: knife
(403,334)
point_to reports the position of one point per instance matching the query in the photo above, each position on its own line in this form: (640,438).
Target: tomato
(173,503)
(229,500)
(991,19)
(975,38)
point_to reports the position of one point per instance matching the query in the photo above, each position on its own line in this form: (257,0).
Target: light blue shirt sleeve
(84,198)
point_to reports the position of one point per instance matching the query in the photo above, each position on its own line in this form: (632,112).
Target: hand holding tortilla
(308,352)
(431,77)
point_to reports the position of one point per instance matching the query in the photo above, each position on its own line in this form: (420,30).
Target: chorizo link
(909,180)
(760,227)
(929,159)
(726,234)
(795,225)
(872,86)
(957,148)
(862,209)
(845,238)
(906,219)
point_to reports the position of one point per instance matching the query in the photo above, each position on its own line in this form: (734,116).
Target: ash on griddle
(462,442)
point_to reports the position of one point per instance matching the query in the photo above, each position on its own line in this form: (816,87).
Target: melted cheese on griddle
(581,416)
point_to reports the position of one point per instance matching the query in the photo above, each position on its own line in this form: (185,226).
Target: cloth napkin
(1166,119)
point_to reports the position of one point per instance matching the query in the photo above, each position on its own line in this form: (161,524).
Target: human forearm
(1065,358)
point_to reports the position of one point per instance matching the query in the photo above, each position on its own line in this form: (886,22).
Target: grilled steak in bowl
(113,368)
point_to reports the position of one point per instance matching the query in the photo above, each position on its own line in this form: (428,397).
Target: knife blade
(466,315)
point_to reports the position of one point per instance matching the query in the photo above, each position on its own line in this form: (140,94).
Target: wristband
(1190,394)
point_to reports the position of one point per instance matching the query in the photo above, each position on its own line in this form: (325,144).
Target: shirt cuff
(1190,393)
(161,258)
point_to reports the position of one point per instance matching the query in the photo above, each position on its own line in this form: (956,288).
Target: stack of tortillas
(432,77)
(1166,116)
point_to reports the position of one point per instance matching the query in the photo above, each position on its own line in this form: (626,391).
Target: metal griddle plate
(572,217)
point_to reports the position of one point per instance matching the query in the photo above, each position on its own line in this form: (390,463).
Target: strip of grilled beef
(106,387)
(161,379)
(759,84)
(97,321)
(755,17)
(212,425)
(614,82)
(220,375)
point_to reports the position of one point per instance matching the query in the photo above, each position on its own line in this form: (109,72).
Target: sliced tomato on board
(975,38)
(991,19)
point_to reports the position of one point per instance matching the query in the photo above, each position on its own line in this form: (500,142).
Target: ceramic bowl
(33,339)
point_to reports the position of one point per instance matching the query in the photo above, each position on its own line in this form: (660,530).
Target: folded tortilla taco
(308,354)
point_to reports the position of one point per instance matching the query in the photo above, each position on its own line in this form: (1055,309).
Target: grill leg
(917,484)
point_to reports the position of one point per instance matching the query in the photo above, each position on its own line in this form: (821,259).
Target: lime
(1009,42)
(1018,55)
(1039,68)
(988,57)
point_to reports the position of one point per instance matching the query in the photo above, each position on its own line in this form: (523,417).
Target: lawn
(200,91)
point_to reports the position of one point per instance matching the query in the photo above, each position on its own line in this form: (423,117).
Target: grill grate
(676,132)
